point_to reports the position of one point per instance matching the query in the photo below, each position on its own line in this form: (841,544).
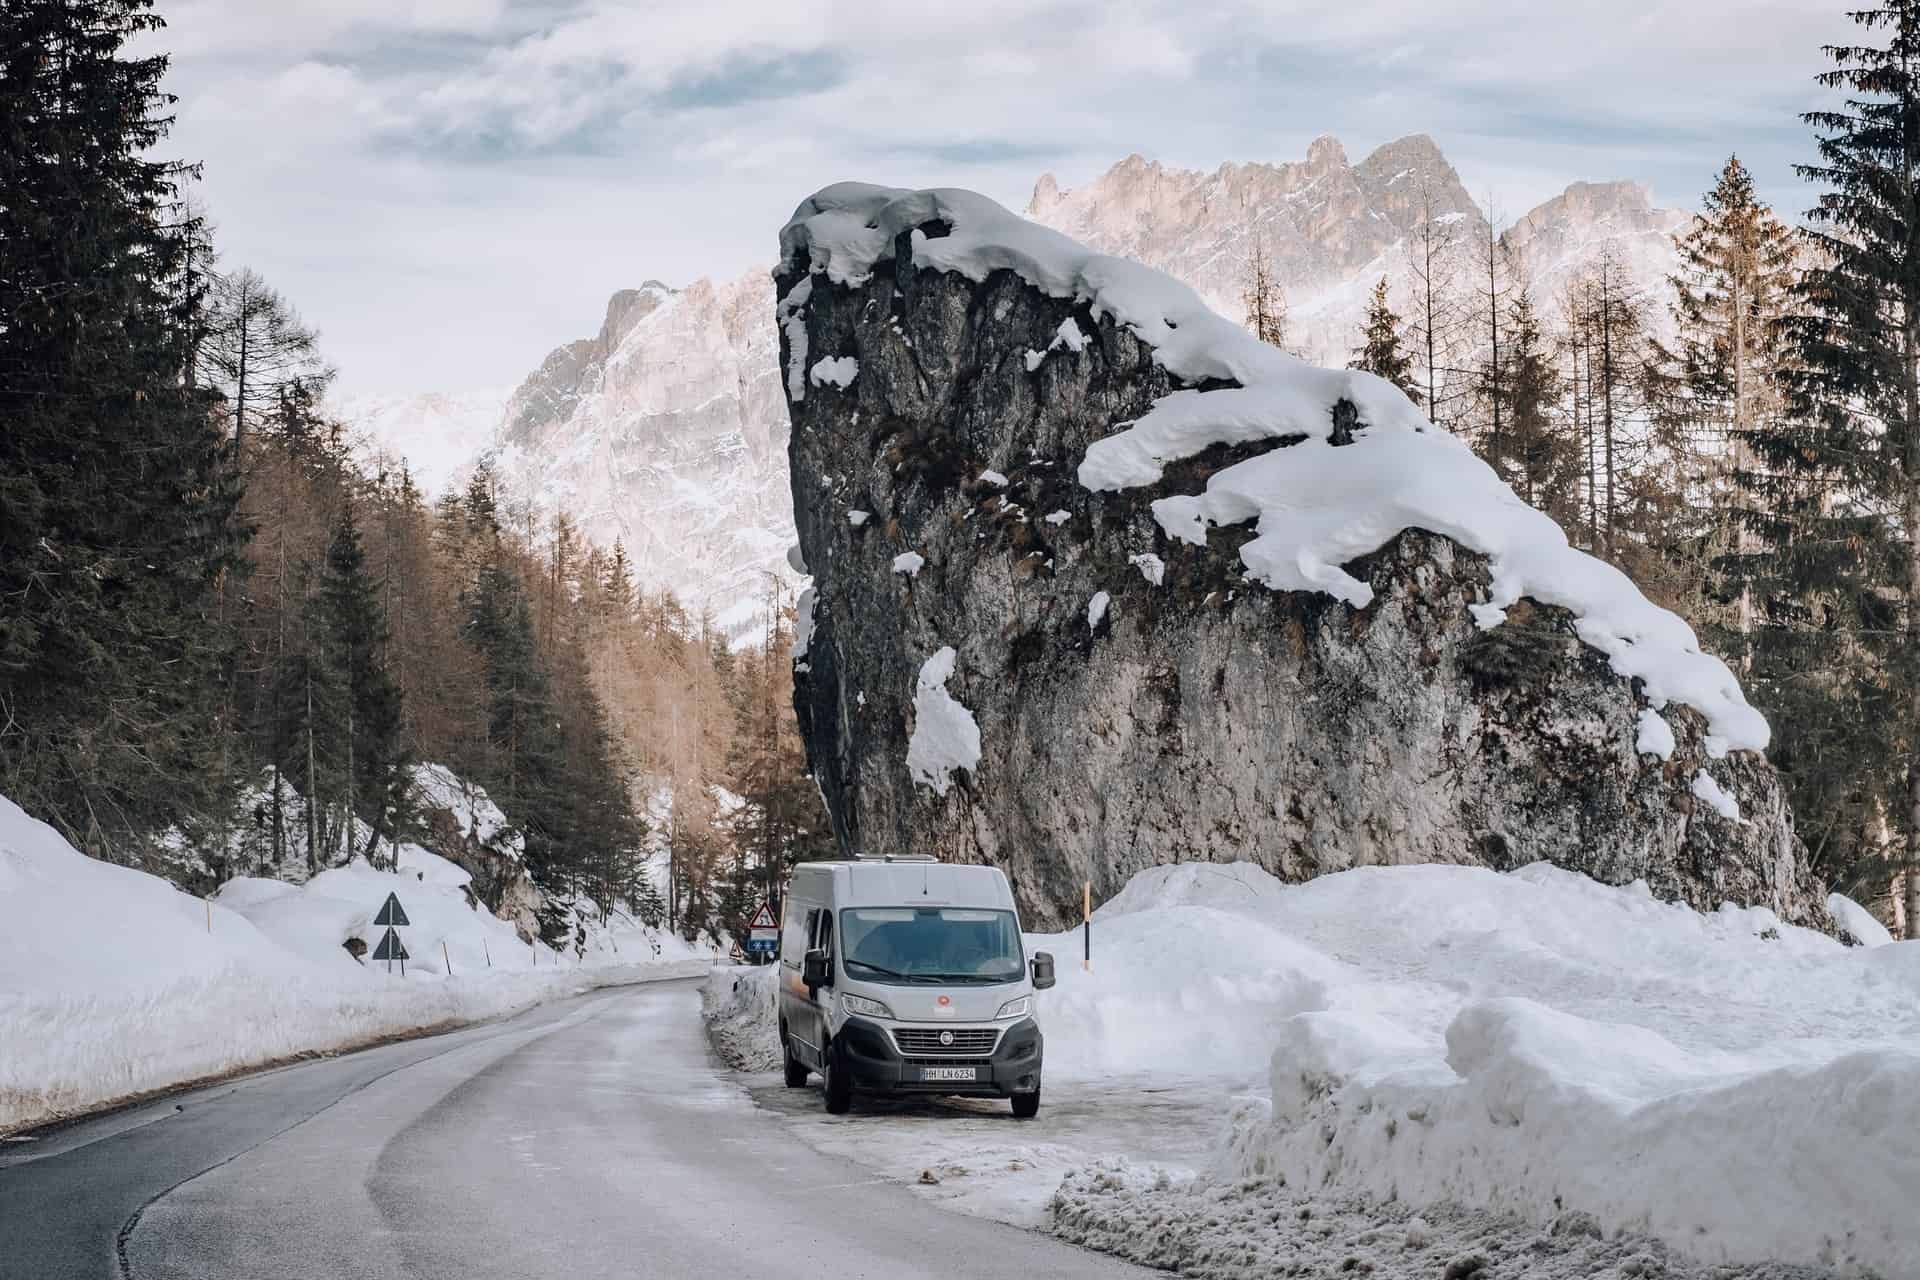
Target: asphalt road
(595,1137)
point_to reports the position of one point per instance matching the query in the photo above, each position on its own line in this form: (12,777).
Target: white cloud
(450,187)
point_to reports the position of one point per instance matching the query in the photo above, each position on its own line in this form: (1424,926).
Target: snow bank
(1317,506)
(113,983)
(1533,1043)
(945,735)
(738,1003)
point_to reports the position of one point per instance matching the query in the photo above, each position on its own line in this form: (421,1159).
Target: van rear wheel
(1026,1105)
(836,1082)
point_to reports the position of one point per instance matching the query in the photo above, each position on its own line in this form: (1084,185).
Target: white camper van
(907,975)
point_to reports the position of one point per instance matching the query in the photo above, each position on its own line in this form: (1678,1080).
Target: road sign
(763,931)
(391,948)
(391,912)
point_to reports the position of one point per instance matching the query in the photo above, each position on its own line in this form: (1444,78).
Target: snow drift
(113,983)
(1534,1043)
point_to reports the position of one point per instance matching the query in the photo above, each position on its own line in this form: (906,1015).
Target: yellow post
(1086,925)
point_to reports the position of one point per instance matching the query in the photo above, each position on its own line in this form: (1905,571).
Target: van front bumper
(877,1067)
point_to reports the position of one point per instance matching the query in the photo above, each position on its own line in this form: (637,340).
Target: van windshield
(930,944)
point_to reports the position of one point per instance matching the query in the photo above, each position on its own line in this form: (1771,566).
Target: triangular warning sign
(391,948)
(392,912)
(763,918)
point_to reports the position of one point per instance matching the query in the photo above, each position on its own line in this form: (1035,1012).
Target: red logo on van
(944,1001)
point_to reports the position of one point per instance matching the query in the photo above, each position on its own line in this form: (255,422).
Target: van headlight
(860,1004)
(1018,1007)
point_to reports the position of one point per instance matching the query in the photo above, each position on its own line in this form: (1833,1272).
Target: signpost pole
(446,957)
(1086,926)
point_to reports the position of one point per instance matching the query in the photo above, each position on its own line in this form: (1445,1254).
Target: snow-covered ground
(1533,1065)
(113,983)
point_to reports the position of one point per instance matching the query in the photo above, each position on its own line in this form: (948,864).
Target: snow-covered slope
(439,435)
(113,983)
(666,431)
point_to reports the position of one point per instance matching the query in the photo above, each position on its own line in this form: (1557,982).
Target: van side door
(796,935)
(823,997)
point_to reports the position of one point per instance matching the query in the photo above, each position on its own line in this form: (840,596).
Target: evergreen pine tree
(1539,458)
(1840,474)
(1380,352)
(116,497)
(375,774)
(1719,381)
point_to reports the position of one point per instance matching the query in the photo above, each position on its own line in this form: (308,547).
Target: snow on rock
(993,478)
(909,563)
(113,983)
(477,816)
(792,314)
(1069,336)
(1057,517)
(945,736)
(835,371)
(1715,795)
(802,623)
(1035,359)
(1151,567)
(1655,735)
(1318,505)
(1858,921)
(796,559)
(1097,609)
(857,518)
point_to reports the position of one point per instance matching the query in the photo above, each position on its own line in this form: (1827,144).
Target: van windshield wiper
(881,969)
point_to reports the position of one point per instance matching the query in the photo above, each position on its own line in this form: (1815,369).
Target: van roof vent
(894,857)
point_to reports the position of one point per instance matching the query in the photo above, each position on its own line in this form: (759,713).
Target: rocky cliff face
(665,431)
(1332,228)
(1139,700)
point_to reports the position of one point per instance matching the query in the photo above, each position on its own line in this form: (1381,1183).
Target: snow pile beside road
(113,983)
(1530,1044)
(738,1003)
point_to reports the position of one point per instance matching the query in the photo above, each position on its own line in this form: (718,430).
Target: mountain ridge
(667,430)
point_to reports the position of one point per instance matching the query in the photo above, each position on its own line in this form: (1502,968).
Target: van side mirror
(1042,970)
(814,971)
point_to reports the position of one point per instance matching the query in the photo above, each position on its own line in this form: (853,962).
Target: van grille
(968,1042)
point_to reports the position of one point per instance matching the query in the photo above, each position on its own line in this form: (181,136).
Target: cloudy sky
(450,188)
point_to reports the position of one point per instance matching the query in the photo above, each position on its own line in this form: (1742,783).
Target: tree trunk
(1606,400)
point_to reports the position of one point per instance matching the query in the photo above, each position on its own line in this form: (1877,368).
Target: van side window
(794,935)
(823,933)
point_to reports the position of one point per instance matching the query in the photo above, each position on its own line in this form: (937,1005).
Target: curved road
(595,1137)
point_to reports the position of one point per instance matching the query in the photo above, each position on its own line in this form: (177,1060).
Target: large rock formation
(1140,700)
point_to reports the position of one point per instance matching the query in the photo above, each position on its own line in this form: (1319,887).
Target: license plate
(949,1073)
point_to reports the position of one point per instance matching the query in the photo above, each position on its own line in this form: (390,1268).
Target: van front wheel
(836,1082)
(1026,1105)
